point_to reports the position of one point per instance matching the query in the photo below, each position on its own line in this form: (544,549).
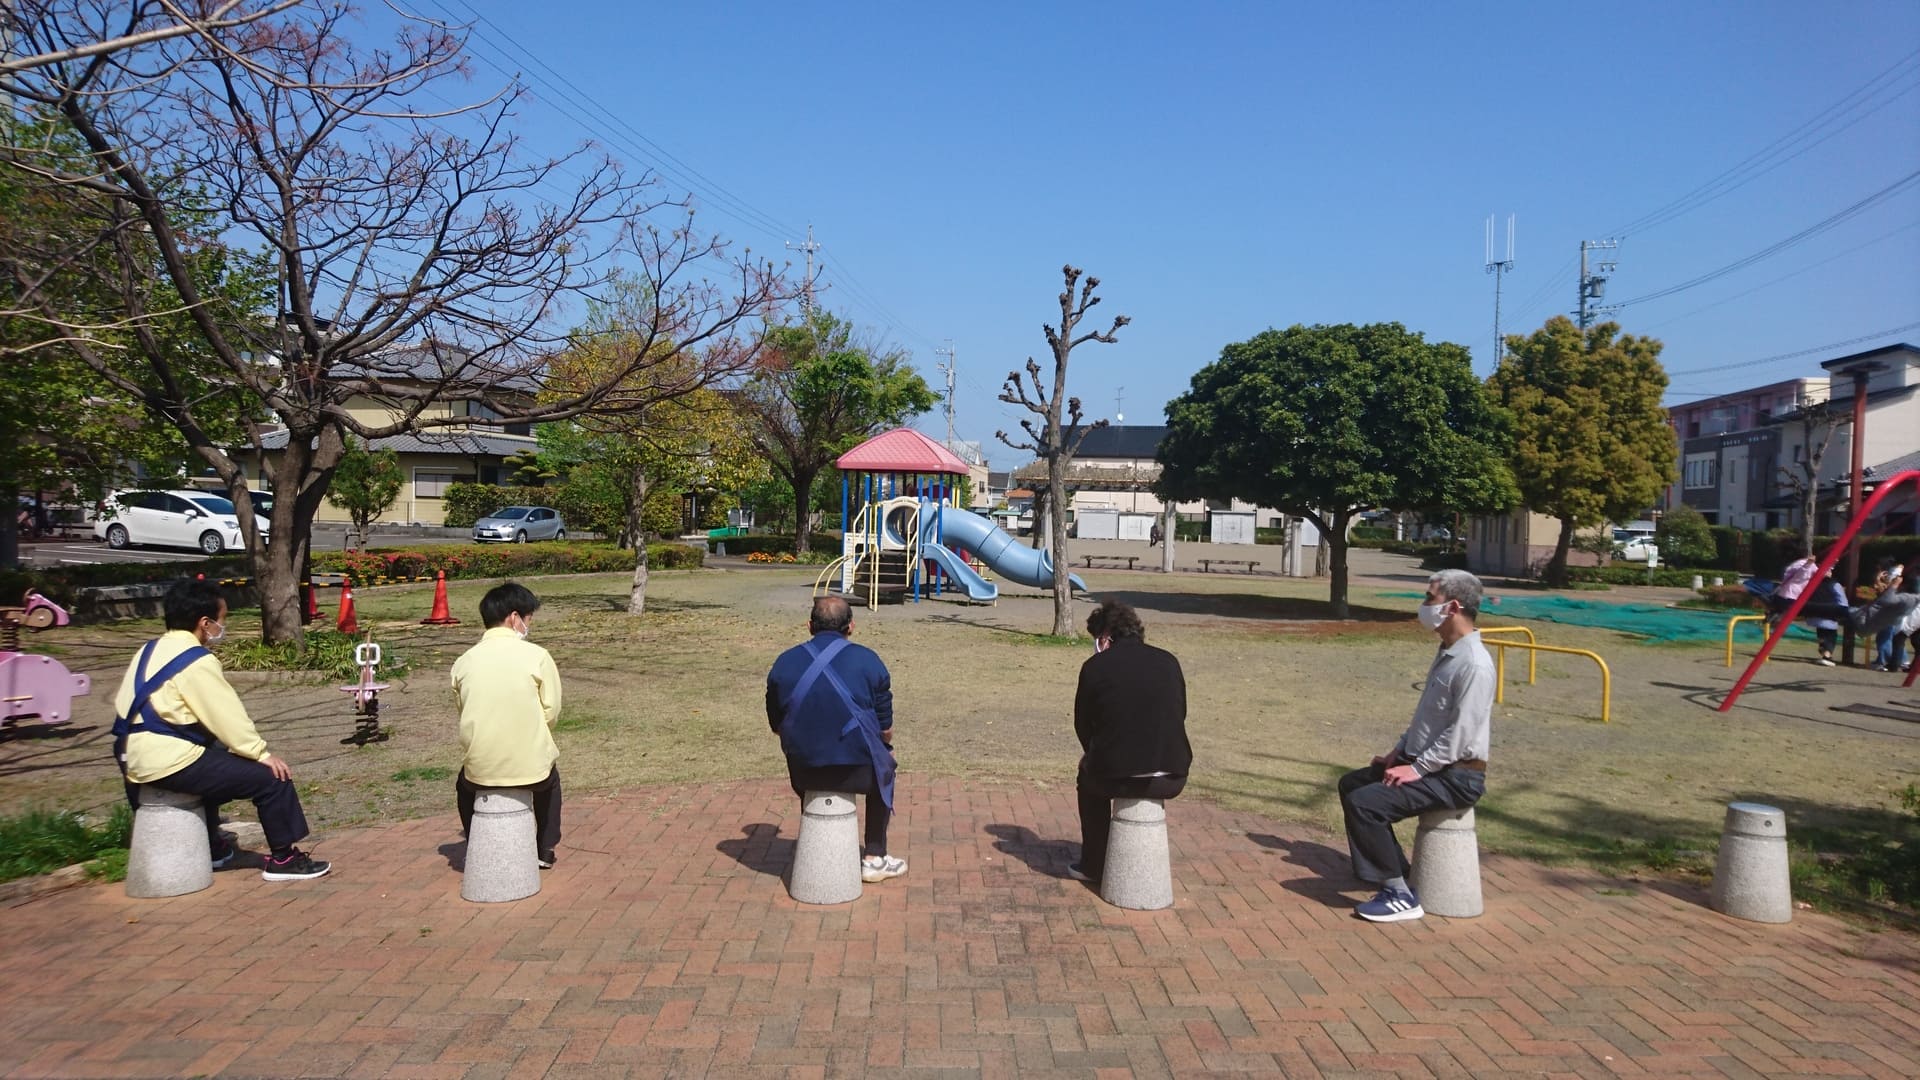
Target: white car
(189,519)
(1633,547)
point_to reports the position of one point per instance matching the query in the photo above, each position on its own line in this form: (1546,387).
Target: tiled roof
(433,361)
(1124,441)
(471,443)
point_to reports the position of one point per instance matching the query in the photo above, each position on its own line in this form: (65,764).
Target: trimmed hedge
(1770,551)
(1635,575)
(60,584)
(506,560)
(820,540)
(468,503)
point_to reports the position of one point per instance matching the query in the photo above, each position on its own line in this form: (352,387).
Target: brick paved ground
(664,943)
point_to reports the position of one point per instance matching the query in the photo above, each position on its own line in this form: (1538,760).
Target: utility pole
(806,296)
(947,367)
(1119,395)
(1593,283)
(1498,268)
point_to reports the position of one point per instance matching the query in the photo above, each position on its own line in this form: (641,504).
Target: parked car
(262,502)
(1632,545)
(185,518)
(519,524)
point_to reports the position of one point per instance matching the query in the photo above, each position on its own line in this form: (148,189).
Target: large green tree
(822,389)
(1591,440)
(1326,421)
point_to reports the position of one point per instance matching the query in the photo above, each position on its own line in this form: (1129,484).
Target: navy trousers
(218,777)
(858,779)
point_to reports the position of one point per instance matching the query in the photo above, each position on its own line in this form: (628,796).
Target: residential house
(1732,448)
(979,477)
(467,447)
(1519,544)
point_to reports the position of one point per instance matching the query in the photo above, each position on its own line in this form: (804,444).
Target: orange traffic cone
(313,605)
(347,624)
(441,616)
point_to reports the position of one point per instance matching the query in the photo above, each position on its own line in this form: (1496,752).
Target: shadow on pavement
(1332,873)
(761,849)
(455,852)
(1049,857)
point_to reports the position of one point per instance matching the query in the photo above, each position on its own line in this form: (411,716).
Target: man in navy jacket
(831,703)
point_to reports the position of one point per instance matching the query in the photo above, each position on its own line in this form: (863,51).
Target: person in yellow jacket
(179,725)
(509,694)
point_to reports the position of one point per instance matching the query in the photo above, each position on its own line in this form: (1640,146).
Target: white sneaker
(881,867)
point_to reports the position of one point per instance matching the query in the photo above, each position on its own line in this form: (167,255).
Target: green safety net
(1651,621)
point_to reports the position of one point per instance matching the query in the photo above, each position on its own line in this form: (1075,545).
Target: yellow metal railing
(1533,659)
(820,587)
(1500,671)
(870,525)
(1736,621)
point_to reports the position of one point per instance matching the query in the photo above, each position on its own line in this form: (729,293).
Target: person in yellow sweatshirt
(179,725)
(509,694)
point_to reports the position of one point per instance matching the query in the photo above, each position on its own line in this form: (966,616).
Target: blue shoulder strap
(819,666)
(144,687)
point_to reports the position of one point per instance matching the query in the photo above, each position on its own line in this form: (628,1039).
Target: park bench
(1131,559)
(1206,565)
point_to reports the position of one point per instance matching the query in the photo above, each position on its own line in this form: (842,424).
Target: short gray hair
(1460,586)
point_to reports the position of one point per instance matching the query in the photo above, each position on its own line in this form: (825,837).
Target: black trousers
(1372,807)
(1096,809)
(858,779)
(546,808)
(218,777)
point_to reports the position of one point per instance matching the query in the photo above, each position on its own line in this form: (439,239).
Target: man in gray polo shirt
(1440,763)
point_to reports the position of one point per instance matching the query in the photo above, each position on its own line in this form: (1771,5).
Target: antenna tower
(806,296)
(1593,282)
(1119,395)
(947,367)
(1498,268)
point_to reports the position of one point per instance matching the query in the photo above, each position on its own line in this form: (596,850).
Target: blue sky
(1224,168)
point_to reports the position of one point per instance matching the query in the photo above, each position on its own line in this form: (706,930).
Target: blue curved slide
(994,546)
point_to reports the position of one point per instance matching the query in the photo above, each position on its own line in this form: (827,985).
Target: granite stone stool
(826,859)
(1750,874)
(1137,874)
(502,861)
(1446,864)
(169,855)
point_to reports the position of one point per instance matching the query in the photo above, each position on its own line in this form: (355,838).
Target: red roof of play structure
(902,450)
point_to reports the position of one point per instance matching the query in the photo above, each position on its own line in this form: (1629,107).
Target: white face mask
(1432,615)
(219,631)
(525,626)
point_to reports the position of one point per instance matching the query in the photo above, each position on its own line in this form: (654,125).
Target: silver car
(519,524)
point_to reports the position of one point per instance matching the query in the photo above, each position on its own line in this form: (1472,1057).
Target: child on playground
(1827,631)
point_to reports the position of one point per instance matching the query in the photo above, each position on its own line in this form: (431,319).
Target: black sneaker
(223,855)
(297,866)
(547,860)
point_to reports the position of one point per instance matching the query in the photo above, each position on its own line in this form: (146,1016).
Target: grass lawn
(1282,701)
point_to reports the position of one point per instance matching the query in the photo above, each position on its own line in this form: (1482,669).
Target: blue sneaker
(1391,905)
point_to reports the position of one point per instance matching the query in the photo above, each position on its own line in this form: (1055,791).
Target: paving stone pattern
(664,944)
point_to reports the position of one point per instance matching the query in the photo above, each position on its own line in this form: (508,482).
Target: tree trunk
(304,470)
(637,594)
(1057,530)
(1557,567)
(1041,519)
(1334,544)
(1166,539)
(802,505)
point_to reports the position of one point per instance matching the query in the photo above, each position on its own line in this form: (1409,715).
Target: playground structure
(31,686)
(1909,478)
(903,537)
(366,697)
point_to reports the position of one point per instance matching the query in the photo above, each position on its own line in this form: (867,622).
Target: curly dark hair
(1114,619)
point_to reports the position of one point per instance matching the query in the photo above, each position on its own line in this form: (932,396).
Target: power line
(1889,332)
(1802,236)
(1775,154)
(1881,239)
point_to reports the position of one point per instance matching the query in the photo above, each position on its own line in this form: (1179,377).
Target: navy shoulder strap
(145,686)
(819,666)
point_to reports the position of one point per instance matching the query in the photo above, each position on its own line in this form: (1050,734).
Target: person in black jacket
(1130,713)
